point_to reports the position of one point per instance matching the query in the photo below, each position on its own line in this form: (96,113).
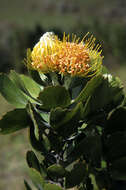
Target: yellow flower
(76,58)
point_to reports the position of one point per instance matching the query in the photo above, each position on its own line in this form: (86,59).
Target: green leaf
(116,121)
(28,86)
(76,175)
(56,170)
(13,121)
(45,116)
(34,117)
(75,81)
(32,160)
(46,142)
(54,78)
(36,77)
(86,109)
(37,129)
(65,121)
(15,77)
(103,179)
(36,178)
(67,81)
(115,146)
(50,186)
(33,88)
(11,93)
(118,169)
(106,96)
(90,147)
(74,84)
(93,181)
(89,88)
(54,96)
(56,141)
(27,186)
(43,77)
(36,144)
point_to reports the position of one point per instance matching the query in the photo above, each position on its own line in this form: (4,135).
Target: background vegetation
(21,25)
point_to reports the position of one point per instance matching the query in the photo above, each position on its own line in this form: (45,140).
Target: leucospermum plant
(75,112)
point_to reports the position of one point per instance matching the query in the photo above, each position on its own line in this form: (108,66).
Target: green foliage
(27,85)
(13,121)
(116,121)
(50,186)
(76,128)
(32,160)
(64,120)
(115,146)
(108,95)
(27,186)
(76,175)
(36,178)
(56,170)
(89,88)
(86,148)
(11,92)
(118,169)
(54,96)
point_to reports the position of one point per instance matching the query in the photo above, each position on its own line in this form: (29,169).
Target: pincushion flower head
(74,58)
